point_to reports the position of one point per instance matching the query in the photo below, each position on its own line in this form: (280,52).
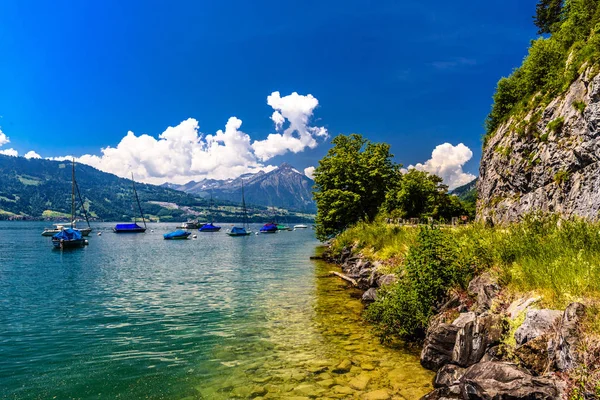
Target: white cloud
(32,154)
(310,172)
(3,138)
(297,110)
(9,152)
(447,162)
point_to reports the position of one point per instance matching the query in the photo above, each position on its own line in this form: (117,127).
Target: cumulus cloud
(3,138)
(447,162)
(296,110)
(310,172)
(32,154)
(9,152)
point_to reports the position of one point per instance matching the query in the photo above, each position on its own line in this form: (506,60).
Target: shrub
(556,124)
(579,106)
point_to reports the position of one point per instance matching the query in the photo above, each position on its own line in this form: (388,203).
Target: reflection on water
(135,316)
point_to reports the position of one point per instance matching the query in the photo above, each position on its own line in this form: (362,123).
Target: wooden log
(344,277)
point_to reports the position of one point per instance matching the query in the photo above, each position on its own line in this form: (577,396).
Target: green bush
(579,106)
(556,124)
(431,268)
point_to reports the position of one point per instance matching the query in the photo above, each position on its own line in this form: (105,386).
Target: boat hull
(69,244)
(176,235)
(140,230)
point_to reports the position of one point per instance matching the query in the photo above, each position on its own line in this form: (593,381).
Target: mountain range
(37,188)
(283,187)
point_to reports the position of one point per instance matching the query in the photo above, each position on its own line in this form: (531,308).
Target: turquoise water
(134,316)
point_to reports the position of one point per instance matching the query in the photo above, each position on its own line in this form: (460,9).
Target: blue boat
(132,227)
(243,230)
(177,235)
(68,238)
(269,228)
(209,228)
(129,228)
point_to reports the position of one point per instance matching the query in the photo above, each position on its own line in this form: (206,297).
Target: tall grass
(559,259)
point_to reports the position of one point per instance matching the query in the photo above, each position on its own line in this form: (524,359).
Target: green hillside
(41,189)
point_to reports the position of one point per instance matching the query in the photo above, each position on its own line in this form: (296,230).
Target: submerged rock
(537,323)
(381,394)
(343,367)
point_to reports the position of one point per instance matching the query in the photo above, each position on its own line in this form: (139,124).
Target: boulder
(448,375)
(563,348)
(444,393)
(475,337)
(464,318)
(537,323)
(533,355)
(370,295)
(385,280)
(438,346)
(505,381)
(485,288)
(518,306)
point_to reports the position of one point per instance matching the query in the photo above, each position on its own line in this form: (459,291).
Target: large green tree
(415,195)
(547,14)
(351,183)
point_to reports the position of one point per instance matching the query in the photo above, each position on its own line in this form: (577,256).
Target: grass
(559,259)
(556,124)
(580,106)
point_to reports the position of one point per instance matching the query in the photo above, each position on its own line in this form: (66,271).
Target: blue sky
(75,77)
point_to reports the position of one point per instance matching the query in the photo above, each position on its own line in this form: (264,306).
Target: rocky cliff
(549,161)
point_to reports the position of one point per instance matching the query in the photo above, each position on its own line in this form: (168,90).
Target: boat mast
(82,205)
(244,207)
(72,192)
(210,209)
(138,200)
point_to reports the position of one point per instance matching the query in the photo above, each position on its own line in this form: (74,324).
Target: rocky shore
(485,344)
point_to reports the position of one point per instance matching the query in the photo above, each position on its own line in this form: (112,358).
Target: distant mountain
(283,187)
(467,192)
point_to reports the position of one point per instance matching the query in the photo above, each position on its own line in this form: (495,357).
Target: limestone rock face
(564,347)
(534,165)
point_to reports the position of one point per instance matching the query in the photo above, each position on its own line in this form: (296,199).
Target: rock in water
(448,375)
(537,323)
(343,367)
(438,346)
(505,381)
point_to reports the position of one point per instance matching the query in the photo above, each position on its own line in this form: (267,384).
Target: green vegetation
(556,124)
(553,62)
(561,177)
(357,181)
(579,106)
(558,259)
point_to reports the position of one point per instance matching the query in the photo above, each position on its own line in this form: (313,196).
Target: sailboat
(70,237)
(132,227)
(243,230)
(210,227)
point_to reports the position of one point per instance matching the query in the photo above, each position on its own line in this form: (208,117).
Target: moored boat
(269,228)
(243,230)
(132,227)
(68,238)
(282,227)
(177,235)
(189,225)
(209,228)
(301,226)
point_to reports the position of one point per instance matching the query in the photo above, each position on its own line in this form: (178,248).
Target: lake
(134,316)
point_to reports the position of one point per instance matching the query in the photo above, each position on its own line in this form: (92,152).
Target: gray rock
(464,318)
(533,355)
(444,393)
(370,295)
(517,174)
(486,289)
(476,337)
(505,381)
(438,346)
(563,348)
(448,375)
(537,323)
(385,280)
(518,306)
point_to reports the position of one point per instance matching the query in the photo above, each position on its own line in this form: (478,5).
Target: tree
(415,195)
(547,14)
(351,183)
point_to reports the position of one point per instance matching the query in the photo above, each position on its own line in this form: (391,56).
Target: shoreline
(466,342)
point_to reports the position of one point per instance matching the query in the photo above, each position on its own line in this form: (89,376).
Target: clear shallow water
(135,316)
